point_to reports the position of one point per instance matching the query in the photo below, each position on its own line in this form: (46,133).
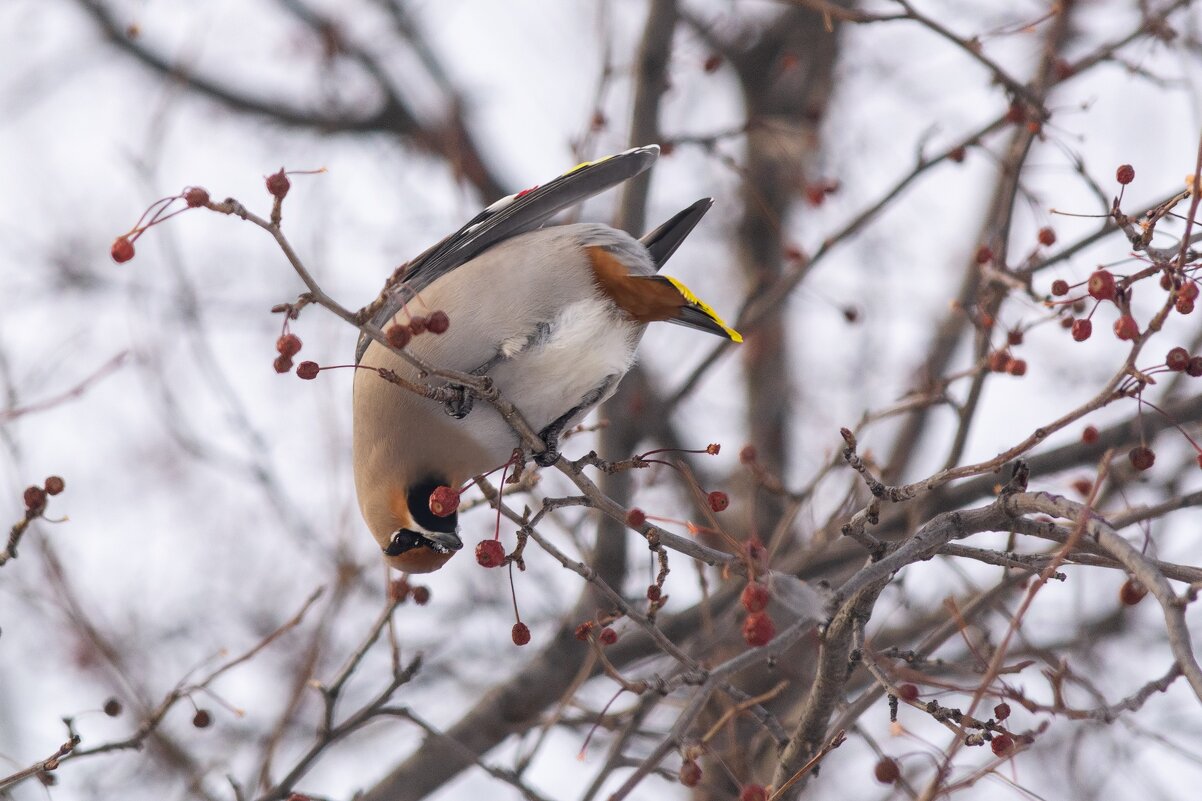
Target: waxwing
(553,315)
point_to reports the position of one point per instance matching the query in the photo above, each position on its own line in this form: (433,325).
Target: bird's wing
(513,215)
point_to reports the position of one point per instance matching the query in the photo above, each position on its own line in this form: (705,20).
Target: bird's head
(423,541)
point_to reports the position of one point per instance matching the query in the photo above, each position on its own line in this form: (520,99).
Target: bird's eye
(403,540)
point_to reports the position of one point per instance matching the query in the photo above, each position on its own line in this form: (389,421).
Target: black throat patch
(418,501)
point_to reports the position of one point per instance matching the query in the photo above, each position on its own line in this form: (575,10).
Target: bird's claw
(551,455)
(460,403)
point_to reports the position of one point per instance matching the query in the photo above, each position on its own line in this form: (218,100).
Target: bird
(552,315)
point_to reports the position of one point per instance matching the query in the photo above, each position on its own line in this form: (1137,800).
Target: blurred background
(883,174)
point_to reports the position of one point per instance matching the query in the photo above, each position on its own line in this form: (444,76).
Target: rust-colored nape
(645,298)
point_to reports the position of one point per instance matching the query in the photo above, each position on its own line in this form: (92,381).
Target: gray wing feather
(513,215)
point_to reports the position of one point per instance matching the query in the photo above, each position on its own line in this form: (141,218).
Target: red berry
(1101,285)
(438,322)
(690,773)
(196,196)
(999,360)
(278,184)
(417,325)
(1047,237)
(758,629)
(1014,337)
(1132,592)
(421,595)
(1184,306)
(1177,360)
(1125,174)
(1017,367)
(520,633)
(1166,283)
(1059,287)
(288,345)
(112,707)
(718,500)
(1001,711)
(714,448)
(753,792)
(1142,457)
(444,501)
(122,250)
(755,597)
(608,636)
(1083,486)
(1194,368)
(907,692)
(983,255)
(886,771)
(282,364)
(398,336)
(202,719)
(712,62)
(815,194)
(1126,328)
(490,553)
(1089,435)
(35,498)
(399,590)
(1189,290)
(654,593)
(748,454)
(308,370)
(636,517)
(54,485)
(1002,744)
(957,154)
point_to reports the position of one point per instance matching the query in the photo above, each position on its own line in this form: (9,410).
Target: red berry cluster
(399,335)
(287,346)
(401,590)
(35,496)
(758,628)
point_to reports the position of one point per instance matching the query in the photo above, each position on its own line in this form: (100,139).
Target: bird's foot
(460,403)
(550,438)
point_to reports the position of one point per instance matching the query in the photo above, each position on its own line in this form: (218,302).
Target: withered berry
(520,633)
(398,336)
(907,692)
(1132,592)
(755,597)
(1017,367)
(1177,360)
(718,500)
(55,485)
(288,345)
(1125,174)
(282,364)
(122,250)
(753,792)
(1089,435)
(1002,744)
(35,498)
(1194,368)
(490,553)
(1102,285)
(636,517)
(1142,457)
(202,719)
(1126,328)
(444,501)
(278,184)
(758,629)
(421,595)
(1001,711)
(417,325)
(1047,237)
(438,322)
(886,770)
(1059,287)
(308,370)
(608,636)
(195,196)
(690,773)
(112,707)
